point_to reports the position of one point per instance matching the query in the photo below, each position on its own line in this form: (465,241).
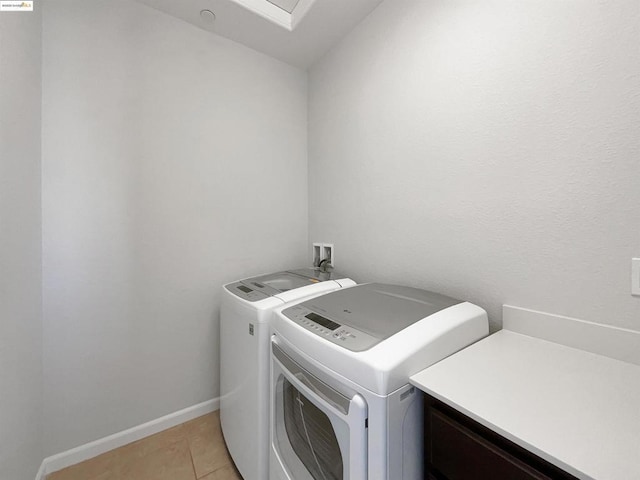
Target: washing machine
(246,308)
(342,407)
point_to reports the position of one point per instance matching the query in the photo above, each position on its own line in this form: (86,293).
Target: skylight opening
(284,13)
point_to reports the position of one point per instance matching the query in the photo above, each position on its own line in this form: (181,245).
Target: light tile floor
(193,450)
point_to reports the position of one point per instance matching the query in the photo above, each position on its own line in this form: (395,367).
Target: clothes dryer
(342,407)
(246,308)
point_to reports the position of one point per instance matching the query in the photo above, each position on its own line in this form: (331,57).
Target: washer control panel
(245,292)
(343,335)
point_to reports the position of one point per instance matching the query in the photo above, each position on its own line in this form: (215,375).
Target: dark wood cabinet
(458,448)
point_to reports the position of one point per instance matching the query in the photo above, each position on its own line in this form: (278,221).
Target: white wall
(20,236)
(174,161)
(487,150)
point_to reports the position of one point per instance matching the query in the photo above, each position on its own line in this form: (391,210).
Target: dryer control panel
(343,335)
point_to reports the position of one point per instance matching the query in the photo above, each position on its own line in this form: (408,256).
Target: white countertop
(578,410)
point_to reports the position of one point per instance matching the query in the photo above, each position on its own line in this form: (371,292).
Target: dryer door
(318,432)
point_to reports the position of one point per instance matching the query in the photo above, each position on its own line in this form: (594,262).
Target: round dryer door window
(319,432)
(311,435)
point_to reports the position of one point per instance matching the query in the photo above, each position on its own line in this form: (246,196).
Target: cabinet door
(460,454)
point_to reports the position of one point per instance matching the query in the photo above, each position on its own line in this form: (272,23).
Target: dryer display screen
(325,322)
(244,289)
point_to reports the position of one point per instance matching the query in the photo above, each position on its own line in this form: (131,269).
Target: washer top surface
(365,315)
(273,284)
(279,282)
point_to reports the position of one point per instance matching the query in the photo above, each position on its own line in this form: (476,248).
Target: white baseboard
(41,475)
(607,340)
(93,449)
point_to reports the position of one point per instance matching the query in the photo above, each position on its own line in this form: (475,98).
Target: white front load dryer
(246,309)
(342,407)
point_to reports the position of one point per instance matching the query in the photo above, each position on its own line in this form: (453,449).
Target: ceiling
(298,32)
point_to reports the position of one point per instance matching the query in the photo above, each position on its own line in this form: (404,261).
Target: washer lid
(379,310)
(275,283)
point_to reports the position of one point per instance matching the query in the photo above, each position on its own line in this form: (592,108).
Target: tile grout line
(193,464)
